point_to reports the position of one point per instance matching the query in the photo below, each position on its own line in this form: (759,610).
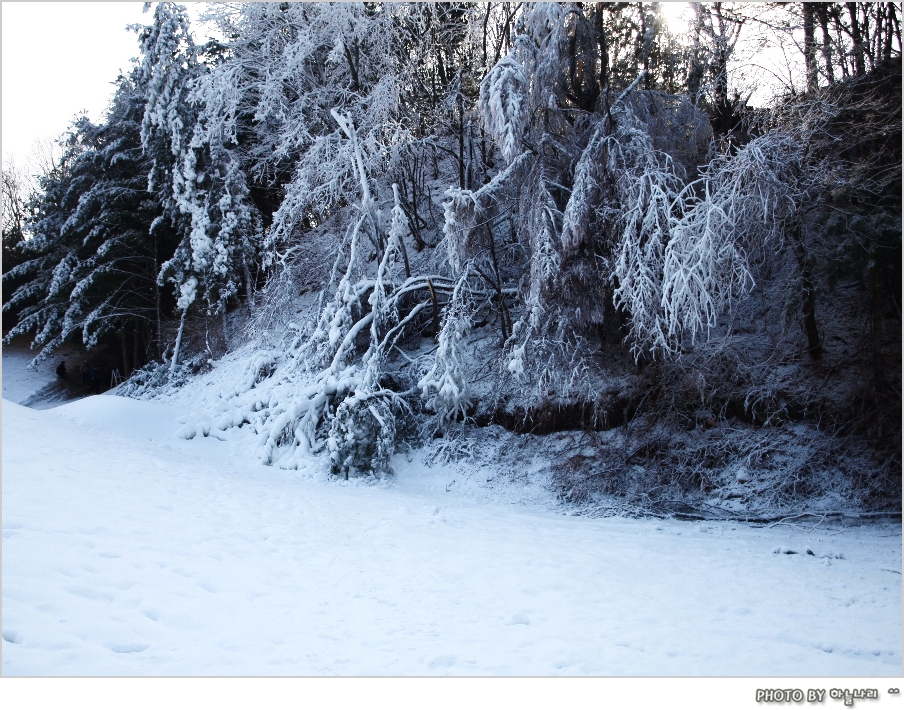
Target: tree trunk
(353,70)
(444,82)
(159,334)
(125,353)
(461,140)
(895,23)
(810,47)
(720,63)
(486,21)
(604,47)
(136,358)
(646,46)
(857,37)
(889,30)
(435,309)
(249,287)
(808,296)
(175,360)
(822,15)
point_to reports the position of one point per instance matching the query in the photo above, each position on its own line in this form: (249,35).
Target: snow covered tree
(169,66)
(445,387)
(577,233)
(46,259)
(15,212)
(322,393)
(595,185)
(92,264)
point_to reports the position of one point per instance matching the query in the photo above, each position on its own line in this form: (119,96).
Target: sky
(675,15)
(60,58)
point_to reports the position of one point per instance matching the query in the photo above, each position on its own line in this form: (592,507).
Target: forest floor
(130,551)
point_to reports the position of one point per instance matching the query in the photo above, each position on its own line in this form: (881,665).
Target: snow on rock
(130,551)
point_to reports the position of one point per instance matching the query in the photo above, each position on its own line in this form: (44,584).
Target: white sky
(58,59)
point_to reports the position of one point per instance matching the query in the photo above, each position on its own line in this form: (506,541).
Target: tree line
(582,181)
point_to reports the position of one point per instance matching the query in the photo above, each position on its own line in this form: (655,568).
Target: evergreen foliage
(92,262)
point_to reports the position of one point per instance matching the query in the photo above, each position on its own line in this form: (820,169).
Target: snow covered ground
(39,388)
(20,383)
(129,551)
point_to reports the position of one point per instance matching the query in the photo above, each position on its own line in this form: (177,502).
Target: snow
(39,387)
(130,551)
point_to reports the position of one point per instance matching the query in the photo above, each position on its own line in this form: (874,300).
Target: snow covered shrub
(362,437)
(146,381)
(155,378)
(452,447)
(445,387)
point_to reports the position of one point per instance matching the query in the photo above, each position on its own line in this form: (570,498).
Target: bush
(159,378)
(362,437)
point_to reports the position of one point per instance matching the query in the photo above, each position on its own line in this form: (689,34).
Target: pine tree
(169,66)
(91,256)
(49,255)
(191,132)
(15,212)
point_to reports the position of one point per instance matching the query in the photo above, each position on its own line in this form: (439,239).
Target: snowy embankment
(127,550)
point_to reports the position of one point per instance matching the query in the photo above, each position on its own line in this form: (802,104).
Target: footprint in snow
(89,593)
(12,636)
(519,618)
(129,647)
